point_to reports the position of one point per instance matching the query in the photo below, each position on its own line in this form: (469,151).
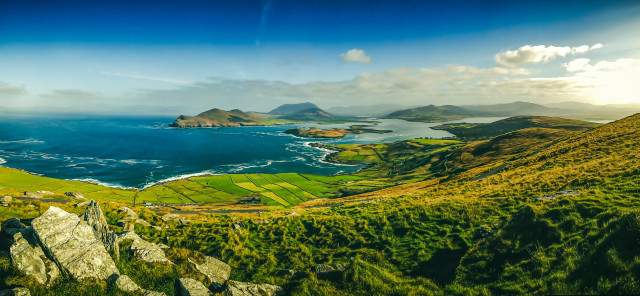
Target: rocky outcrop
(250,289)
(45,192)
(71,243)
(5,200)
(94,217)
(128,212)
(216,271)
(83,204)
(143,250)
(175,217)
(191,287)
(75,194)
(18,291)
(28,257)
(126,284)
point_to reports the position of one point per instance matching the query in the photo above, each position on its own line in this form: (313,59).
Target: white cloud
(355,56)
(576,65)
(539,54)
(143,77)
(8,90)
(609,82)
(453,84)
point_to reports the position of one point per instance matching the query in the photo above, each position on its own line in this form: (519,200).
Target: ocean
(138,152)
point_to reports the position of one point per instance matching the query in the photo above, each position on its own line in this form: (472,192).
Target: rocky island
(285,114)
(332,133)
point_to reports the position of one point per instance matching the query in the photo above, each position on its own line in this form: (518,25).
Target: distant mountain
(365,110)
(433,113)
(516,108)
(574,110)
(301,112)
(293,108)
(217,117)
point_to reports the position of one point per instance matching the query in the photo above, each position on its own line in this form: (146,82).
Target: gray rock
(83,204)
(11,226)
(191,287)
(322,268)
(28,257)
(128,212)
(94,217)
(175,217)
(72,245)
(143,222)
(152,293)
(5,200)
(75,194)
(238,226)
(126,284)
(143,250)
(7,230)
(250,289)
(45,192)
(18,291)
(216,271)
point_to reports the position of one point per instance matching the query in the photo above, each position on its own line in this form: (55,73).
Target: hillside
(434,113)
(574,110)
(534,211)
(475,131)
(293,108)
(217,118)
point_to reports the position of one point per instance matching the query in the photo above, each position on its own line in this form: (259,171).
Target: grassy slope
(452,235)
(475,131)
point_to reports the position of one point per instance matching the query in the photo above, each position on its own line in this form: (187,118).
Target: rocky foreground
(59,245)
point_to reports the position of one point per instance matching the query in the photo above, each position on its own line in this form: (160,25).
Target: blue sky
(186,56)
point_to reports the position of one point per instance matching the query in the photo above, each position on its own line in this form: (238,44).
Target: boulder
(18,291)
(128,212)
(83,204)
(94,217)
(28,257)
(7,230)
(143,250)
(72,245)
(322,268)
(143,222)
(152,293)
(45,192)
(216,271)
(126,284)
(75,194)
(250,289)
(175,217)
(5,200)
(191,287)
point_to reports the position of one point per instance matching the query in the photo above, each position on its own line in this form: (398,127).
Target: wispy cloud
(8,90)
(143,77)
(530,54)
(355,56)
(70,93)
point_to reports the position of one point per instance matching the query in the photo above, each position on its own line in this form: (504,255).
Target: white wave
(100,183)
(2,160)
(180,177)
(25,141)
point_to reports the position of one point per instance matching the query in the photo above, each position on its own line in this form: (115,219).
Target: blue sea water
(141,151)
